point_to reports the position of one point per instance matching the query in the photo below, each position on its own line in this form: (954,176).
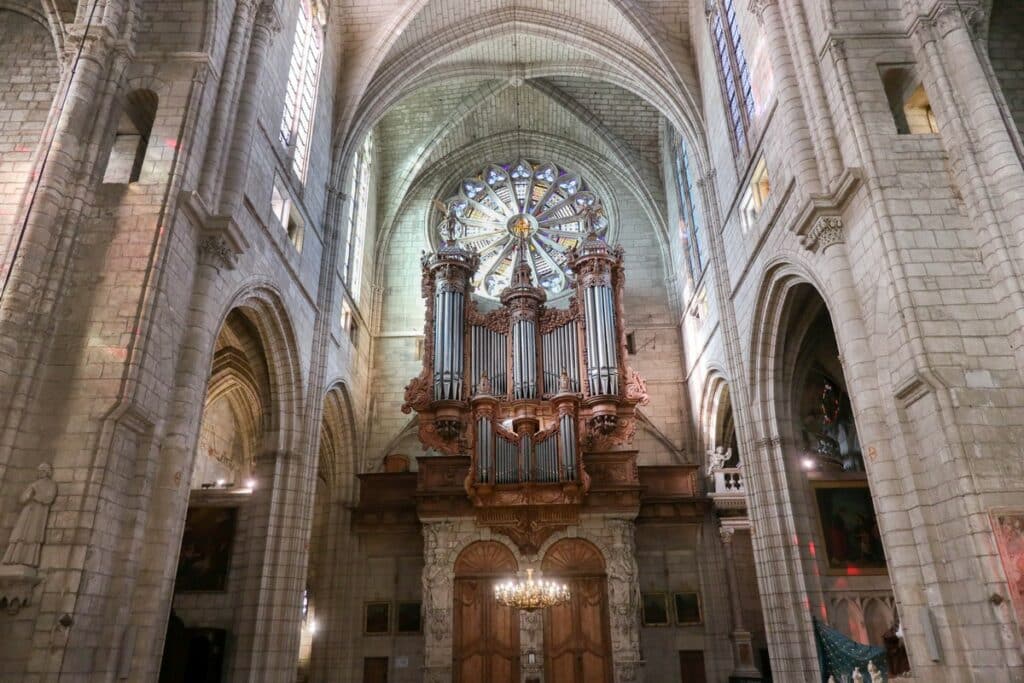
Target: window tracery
(733,68)
(689,212)
(539,202)
(300,94)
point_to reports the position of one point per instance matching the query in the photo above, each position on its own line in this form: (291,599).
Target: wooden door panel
(375,670)
(576,635)
(486,639)
(691,666)
(562,669)
(592,667)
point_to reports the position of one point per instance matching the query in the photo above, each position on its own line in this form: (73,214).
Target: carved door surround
(577,638)
(485,643)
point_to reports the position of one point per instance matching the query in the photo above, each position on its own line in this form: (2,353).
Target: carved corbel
(220,241)
(826,231)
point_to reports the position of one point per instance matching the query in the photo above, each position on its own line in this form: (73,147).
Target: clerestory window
(355,235)
(690,220)
(733,69)
(300,95)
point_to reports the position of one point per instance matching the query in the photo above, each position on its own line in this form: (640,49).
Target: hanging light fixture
(531,595)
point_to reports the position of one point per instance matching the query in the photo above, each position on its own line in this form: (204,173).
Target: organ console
(525,389)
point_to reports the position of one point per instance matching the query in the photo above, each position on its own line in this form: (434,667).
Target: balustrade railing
(729,480)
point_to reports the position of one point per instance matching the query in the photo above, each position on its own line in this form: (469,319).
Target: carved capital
(268,18)
(826,231)
(215,251)
(948,16)
(758,7)
(837,48)
(726,532)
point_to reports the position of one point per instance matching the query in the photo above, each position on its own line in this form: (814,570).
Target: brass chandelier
(531,595)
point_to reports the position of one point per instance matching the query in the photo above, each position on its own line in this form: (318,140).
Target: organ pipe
(529,354)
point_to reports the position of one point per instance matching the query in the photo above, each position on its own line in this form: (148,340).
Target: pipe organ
(526,389)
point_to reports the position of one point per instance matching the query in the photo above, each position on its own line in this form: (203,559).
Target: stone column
(265,27)
(804,160)
(742,649)
(438,570)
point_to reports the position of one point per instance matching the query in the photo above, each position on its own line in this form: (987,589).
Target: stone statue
(564,387)
(26,542)
(874,672)
(858,677)
(717,458)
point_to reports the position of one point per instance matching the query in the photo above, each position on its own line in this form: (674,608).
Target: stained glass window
(542,204)
(732,59)
(689,212)
(300,94)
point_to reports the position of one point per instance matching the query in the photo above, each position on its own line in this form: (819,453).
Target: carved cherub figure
(875,673)
(858,677)
(717,458)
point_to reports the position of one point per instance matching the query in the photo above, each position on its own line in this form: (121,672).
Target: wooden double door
(577,642)
(485,643)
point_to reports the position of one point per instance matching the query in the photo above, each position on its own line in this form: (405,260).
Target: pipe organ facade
(526,388)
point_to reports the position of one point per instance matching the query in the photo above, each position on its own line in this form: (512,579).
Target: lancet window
(532,201)
(690,220)
(735,73)
(300,95)
(355,236)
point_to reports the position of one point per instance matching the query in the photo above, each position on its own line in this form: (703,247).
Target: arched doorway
(485,646)
(576,635)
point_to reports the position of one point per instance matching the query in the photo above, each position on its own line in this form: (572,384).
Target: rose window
(543,205)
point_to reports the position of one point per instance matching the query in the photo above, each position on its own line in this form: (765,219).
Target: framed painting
(377,618)
(687,607)
(408,617)
(1008,526)
(655,609)
(848,528)
(206,544)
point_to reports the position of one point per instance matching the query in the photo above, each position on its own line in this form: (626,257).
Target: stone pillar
(438,572)
(742,649)
(266,26)
(804,160)
(624,601)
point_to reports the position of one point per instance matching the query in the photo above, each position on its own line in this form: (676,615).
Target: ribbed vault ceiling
(455,85)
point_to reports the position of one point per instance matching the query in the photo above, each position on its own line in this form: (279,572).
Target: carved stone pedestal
(17,583)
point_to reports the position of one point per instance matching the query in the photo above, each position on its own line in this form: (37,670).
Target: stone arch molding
(263,305)
(715,386)
(338,424)
(780,278)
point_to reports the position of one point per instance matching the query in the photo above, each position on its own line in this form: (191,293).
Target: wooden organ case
(527,391)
